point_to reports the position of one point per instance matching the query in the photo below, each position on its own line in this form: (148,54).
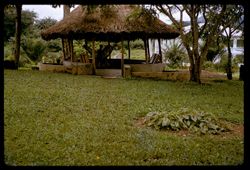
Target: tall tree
(195,53)
(232,22)
(27,20)
(18,34)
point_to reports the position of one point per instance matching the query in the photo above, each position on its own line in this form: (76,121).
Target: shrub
(194,121)
(34,48)
(208,65)
(175,55)
(223,64)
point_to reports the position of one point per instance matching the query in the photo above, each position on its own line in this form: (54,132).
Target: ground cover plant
(64,119)
(191,120)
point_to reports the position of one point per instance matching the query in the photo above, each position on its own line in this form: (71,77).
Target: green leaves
(194,121)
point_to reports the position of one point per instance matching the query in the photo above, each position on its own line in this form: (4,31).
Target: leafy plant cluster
(175,55)
(222,65)
(197,122)
(33,48)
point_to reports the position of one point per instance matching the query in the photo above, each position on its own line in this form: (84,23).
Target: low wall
(51,67)
(175,75)
(78,68)
(147,67)
(74,68)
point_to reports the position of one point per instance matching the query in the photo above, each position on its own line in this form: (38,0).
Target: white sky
(44,11)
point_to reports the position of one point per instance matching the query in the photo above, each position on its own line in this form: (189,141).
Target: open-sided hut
(112,23)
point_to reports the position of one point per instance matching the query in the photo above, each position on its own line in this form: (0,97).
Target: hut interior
(112,24)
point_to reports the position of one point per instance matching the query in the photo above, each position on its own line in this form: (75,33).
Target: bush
(9,56)
(54,45)
(175,55)
(223,64)
(136,44)
(238,59)
(34,48)
(208,65)
(185,120)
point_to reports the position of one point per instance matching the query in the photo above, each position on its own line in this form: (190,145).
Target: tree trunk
(195,72)
(18,34)
(146,51)
(229,61)
(67,44)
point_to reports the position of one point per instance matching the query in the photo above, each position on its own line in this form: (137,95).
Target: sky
(44,11)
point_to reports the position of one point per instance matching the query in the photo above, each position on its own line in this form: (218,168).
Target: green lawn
(64,119)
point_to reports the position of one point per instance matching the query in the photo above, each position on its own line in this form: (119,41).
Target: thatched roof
(127,22)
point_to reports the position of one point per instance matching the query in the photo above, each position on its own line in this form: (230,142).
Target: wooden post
(63,48)
(111,52)
(71,49)
(146,51)
(93,57)
(159,44)
(128,50)
(122,60)
(148,58)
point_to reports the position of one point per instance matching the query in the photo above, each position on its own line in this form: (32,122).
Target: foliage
(185,120)
(9,55)
(45,23)
(208,65)
(217,48)
(232,21)
(212,14)
(222,66)
(238,59)
(34,48)
(27,21)
(175,55)
(54,45)
(136,44)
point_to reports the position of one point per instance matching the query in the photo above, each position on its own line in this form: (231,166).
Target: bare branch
(169,14)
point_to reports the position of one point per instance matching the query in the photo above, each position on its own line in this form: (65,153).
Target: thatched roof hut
(111,23)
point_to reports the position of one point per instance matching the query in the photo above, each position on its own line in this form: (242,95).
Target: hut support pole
(71,51)
(146,51)
(122,60)
(93,57)
(111,52)
(63,46)
(128,50)
(148,58)
(159,44)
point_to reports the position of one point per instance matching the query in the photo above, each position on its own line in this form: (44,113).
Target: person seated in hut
(102,54)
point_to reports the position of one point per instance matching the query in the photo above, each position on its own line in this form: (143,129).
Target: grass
(64,119)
